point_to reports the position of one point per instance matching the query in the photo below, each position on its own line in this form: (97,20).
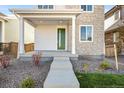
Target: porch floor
(50,54)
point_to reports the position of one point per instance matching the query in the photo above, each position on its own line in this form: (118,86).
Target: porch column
(73,35)
(3,31)
(21,37)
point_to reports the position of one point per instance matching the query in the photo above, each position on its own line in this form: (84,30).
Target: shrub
(5,60)
(105,65)
(85,67)
(28,83)
(36,59)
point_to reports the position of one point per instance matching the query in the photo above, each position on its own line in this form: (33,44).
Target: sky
(5,8)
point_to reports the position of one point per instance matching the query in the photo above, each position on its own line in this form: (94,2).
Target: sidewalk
(61,74)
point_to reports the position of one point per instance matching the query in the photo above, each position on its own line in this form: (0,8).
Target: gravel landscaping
(94,65)
(12,76)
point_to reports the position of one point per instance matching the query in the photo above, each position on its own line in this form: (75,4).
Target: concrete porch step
(50,54)
(61,58)
(30,59)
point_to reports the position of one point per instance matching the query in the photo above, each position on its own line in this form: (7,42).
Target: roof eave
(30,11)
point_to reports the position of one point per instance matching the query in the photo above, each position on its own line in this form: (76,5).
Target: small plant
(5,60)
(85,67)
(36,59)
(28,83)
(105,65)
(97,70)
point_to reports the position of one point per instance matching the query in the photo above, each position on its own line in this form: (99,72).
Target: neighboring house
(114,27)
(9,35)
(2,27)
(78,29)
(10,30)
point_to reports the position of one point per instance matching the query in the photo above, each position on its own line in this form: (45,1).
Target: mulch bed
(94,65)
(12,76)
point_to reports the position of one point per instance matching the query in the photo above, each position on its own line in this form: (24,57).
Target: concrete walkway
(61,74)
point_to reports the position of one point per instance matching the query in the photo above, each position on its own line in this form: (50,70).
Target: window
(87,7)
(86,33)
(116,37)
(116,15)
(45,6)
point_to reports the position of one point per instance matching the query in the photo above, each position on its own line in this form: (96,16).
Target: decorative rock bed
(12,76)
(94,65)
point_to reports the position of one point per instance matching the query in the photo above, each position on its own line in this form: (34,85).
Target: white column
(21,37)
(73,35)
(3,32)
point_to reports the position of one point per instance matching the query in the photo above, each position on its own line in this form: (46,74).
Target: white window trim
(118,17)
(115,39)
(80,33)
(88,11)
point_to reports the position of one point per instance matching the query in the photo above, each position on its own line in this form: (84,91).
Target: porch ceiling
(39,16)
(40,21)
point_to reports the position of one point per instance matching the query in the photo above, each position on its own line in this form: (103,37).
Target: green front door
(61,39)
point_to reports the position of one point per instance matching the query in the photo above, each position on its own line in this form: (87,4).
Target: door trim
(65,39)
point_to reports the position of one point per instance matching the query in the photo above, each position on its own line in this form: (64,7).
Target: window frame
(86,9)
(48,7)
(86,33)
(118,15)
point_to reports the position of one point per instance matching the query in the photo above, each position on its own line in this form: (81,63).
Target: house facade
(114,27)
(78,29)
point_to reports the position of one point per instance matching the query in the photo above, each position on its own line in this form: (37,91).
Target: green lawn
(98,80)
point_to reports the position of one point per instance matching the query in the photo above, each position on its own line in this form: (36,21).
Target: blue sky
(108,7)
(5,8)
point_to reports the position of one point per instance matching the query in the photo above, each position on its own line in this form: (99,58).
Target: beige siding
(12,31)
(0,31)
(29,33)
(72,6)
(63,7)
(59,7)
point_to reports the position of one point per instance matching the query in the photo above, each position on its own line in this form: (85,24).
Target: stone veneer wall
(96,19)
(108,38)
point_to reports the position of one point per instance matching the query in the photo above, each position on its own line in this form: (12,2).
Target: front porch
(54,31)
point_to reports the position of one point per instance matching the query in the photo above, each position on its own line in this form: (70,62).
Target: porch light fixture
(41,21)
(60,22)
